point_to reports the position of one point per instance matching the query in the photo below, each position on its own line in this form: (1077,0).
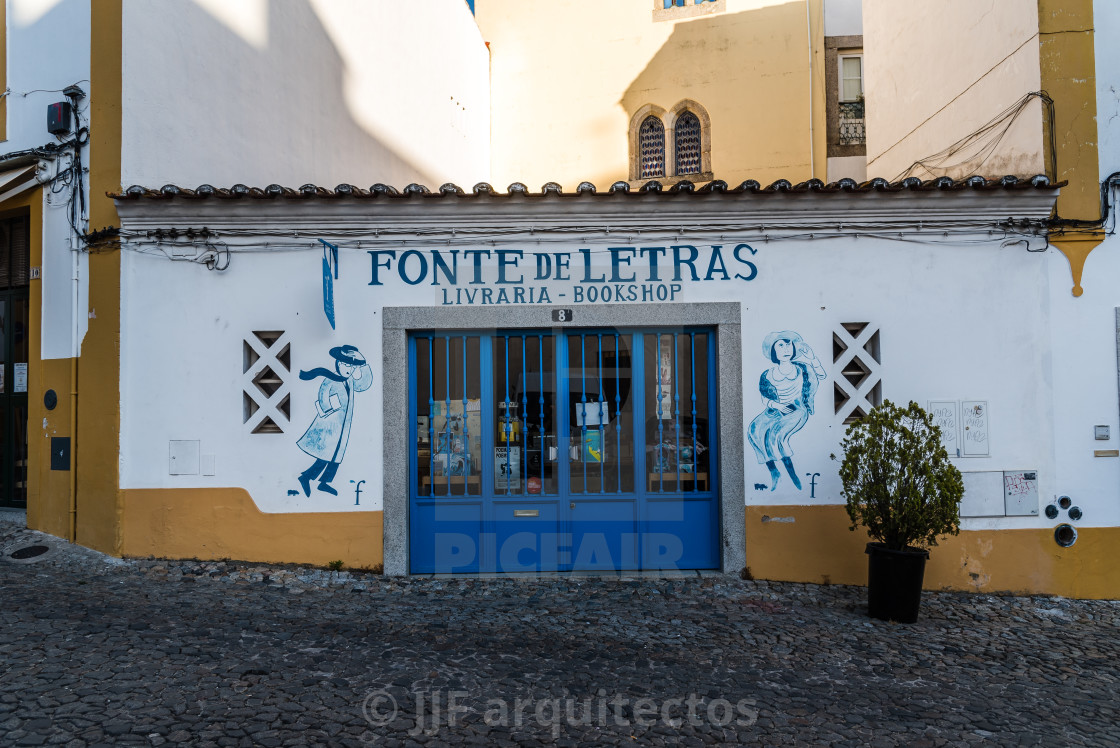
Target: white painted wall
(1106,22)
(843,17)
(958,321)
(937,70)
(1084,329)
(48,50)
(852,167)
(298,91)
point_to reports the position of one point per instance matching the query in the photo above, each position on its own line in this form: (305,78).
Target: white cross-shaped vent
(857,381)
(266,395)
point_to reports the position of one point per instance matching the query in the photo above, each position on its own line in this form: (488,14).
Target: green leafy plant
(898,482)
(335,566)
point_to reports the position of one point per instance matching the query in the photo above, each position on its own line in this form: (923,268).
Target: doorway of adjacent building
(573,450)
(15,349)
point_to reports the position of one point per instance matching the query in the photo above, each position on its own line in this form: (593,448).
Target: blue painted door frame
(646,527)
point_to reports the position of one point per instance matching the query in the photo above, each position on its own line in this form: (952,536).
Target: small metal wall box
(1101,433)
(58,118)
(1020,493)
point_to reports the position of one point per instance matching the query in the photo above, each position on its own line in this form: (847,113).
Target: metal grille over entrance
(572,450)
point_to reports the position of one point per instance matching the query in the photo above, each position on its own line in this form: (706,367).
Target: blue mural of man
(327,436)
(788,389)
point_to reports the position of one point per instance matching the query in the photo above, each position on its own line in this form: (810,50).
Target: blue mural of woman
(788,389)
(327,436)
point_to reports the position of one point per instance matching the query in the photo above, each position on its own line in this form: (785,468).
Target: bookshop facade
(598,381)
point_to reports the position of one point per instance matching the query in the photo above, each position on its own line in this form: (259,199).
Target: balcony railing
(851,123)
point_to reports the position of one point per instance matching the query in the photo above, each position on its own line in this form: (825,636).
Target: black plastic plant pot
(894,583)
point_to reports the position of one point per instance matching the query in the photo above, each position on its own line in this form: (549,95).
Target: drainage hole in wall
(1065,535)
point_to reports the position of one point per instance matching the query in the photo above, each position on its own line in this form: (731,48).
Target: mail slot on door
(526,512)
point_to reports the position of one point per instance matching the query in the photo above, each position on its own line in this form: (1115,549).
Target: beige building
(653,89)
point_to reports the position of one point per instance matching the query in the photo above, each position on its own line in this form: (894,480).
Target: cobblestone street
(96,651)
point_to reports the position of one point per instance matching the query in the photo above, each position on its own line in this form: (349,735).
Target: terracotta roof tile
(553,190)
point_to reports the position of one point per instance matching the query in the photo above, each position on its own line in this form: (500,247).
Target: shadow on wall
(209,106)
(35,79)
(749,70)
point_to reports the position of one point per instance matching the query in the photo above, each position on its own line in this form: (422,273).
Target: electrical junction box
(184,457)
(996,493)
(58,118)
(1020,493)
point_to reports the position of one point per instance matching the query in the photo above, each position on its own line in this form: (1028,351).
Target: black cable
(1001,122)
(1109,182)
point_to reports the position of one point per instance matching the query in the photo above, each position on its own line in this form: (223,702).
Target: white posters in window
(20,377)
(507,468)
(666,379)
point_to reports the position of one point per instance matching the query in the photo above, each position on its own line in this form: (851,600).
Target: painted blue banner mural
(330,275)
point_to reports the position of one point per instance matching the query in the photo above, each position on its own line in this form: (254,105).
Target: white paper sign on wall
(946,416)
(20,371)
(974,423)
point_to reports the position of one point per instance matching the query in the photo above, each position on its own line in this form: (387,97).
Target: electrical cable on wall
(69,178)
(979,145)
(215,249)
(1090,225)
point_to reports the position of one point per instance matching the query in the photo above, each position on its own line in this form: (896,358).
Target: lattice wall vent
(266,368)
(857,382)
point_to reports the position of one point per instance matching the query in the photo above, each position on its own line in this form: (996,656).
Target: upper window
(851,77)
(845,108)
(850,108)
(673,10)
(687,141)
(651,146)
(671,144)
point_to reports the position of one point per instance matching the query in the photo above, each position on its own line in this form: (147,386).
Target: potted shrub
(899,484)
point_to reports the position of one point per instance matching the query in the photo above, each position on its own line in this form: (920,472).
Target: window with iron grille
(851,106)
(687,142)
(651,144)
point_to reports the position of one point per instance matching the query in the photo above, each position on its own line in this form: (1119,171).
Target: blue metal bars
(525,452)
(678,459)
(599,373)
(447,431)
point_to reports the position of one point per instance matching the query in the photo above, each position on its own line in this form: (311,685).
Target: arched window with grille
(651,148)
(687,144)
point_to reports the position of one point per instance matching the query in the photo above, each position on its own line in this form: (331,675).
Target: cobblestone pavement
(95,651)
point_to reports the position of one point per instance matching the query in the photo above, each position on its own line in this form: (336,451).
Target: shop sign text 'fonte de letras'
(515,276)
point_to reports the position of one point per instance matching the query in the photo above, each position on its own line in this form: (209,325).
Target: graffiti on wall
(327,436)
(788,388)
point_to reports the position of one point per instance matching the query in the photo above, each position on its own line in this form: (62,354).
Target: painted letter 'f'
(358,492)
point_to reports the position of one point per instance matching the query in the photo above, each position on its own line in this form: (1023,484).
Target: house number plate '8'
(561,315)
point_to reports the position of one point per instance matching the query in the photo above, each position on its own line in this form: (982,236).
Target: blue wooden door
(588,450)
